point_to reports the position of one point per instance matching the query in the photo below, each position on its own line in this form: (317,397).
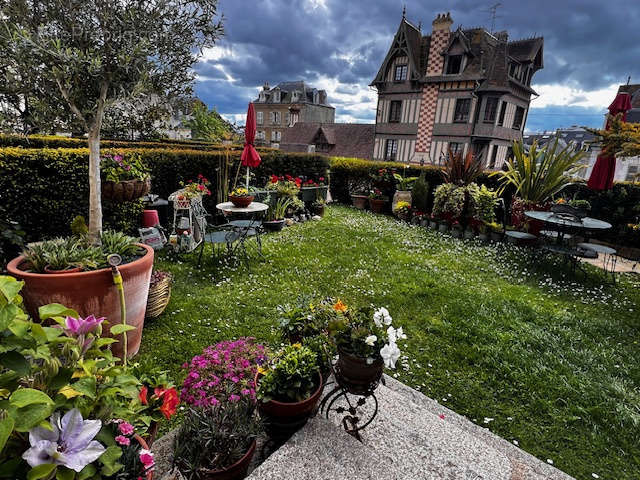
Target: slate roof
(633,115)
(344,139)
(305,93)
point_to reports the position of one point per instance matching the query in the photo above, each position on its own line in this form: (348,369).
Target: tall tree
(208,124)
(93,54)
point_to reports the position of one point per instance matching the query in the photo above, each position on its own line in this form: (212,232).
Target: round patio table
(245,228)
(587,223)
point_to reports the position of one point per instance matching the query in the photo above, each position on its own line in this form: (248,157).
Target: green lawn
(541,357)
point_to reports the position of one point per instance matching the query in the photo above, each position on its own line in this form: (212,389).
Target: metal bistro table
(245,228)
(564,224)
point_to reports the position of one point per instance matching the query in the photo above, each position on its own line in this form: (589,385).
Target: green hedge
(619,206)
(44,189)
(55,141)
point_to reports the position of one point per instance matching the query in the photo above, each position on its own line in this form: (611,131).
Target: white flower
(370,340)
(391,334)
(381,316)
(400,335)
(390,354)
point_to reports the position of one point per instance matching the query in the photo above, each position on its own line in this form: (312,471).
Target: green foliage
(121,167)
(620,138)
(11,239)
(209,125)
(539,174)
(214,438)
(449,201)
(404,183)
(292,375)
(278,210)
(79,227)
(462,170)
(305,318)
(485,201)
(420,194)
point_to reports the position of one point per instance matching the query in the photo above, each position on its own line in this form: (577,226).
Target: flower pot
(356,375)
(319,210)
(433,225)
(52,271)
(126,190)
(311,194)
(284,418)
(483,237)
(443,227)
(456,231)
(273,225)
(92,292)
(468,234)
(360,201)
(241,202)
(519,219)
(496,236)
(401,196)
(237,470)
(377,205)
(424,223)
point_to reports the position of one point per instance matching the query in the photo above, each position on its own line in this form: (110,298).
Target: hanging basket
(125,191)
(159,296)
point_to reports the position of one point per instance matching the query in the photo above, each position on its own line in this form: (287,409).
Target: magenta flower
(125,428)
(146,457)
(82,326)
(122,440)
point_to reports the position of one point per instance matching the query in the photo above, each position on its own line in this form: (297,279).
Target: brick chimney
(439,40)
(265,87)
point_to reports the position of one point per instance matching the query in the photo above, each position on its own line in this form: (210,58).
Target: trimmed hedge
(44,189)
(619,206)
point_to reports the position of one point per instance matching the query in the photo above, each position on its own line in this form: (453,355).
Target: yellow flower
(297,345)
(261,370)
(339,306)
(561,200)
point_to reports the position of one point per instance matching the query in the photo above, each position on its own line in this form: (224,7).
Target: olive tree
(94,54)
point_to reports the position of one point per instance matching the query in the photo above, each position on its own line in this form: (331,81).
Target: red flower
(321,179)
(143,395)
(204,180)
(170,403)
(274,179)
(201,187)
(199,175)
(189,181)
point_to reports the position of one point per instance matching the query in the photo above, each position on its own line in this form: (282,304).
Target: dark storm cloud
(589,44)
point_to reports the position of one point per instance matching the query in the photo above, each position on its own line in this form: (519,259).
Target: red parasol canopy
(250,157)
(605,167)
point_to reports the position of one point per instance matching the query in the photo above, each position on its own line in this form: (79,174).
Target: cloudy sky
(591,46)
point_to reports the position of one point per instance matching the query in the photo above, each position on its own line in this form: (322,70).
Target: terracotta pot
(356,375)
(126,190)
(319,211)
(241,202)
(360,201)
(401,196)
(377,205)
(273,225)
(237,470)
(93,293)
(143,444)
(52,271)
(284,418)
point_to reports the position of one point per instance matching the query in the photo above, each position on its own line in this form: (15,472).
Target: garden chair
(514,236)
(219,236)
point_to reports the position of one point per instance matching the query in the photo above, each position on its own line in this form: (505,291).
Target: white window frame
(259,118)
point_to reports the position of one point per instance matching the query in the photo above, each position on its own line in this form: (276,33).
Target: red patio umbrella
(605,167)
(250,157)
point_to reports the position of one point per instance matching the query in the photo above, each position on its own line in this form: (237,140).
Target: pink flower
(82,326)
(234,398)
(146,457)
(122,440)
(125,428)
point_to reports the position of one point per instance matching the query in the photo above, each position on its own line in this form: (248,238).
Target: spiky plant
(462,170)
(540,173)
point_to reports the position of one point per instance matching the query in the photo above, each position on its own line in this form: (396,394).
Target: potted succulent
(377,200)
(91,288)
(288,389)
(274,221)
(55,424)
(366,342)
(241,197)
(217,442)
(126,178)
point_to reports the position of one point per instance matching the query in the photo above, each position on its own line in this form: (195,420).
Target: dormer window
(400,73)
(261,97)
(454,64)
(276,96)
(294,96)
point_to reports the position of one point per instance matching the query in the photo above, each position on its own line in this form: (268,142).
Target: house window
(492,157)
(461,114)
(287,119)
(518,118)
(503,109)
(275,118)
(632,173)
(391,150)
(455,148)
(490,108)
(322,147)
(276,96)
(513,69)
(395,111)
(400,74)
(275,136)
(259,118)
(260,135)
(454,64)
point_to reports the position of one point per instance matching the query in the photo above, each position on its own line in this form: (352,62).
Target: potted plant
(159,399)
(276,213)
(240,197)
(217,442)
(403,189)
(377,200)
(366,342)
(317,207)
(456,229)
(310,190)
(58,423)
(92,288)
(496,231)
(159,293)
(402,210)
(126,178)
(288,389)
(483,232)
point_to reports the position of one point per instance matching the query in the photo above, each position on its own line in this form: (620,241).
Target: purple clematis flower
(82,326)
(71,442)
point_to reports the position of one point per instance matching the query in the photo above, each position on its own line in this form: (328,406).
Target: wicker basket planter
(126,190)
(159,296)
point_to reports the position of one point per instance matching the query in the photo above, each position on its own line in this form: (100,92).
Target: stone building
(453,90)
(332,139)
(285,105)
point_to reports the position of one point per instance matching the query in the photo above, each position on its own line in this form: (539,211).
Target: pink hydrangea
(223,372)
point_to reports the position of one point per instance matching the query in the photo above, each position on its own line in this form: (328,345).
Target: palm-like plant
(540,173)
(462,170)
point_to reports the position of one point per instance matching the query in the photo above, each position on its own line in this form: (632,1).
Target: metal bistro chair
(219,236)
(247,229)
(513,236)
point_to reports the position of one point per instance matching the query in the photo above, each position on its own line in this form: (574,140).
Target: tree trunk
(95,204)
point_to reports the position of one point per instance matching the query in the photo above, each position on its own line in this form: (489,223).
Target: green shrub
(420,194)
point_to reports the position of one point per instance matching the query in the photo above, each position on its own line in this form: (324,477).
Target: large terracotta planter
(93,293)
(356,375)
(284,418)
(125,191)
(236,471)
(360,201)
